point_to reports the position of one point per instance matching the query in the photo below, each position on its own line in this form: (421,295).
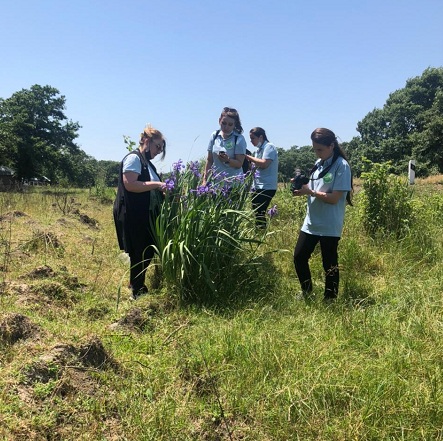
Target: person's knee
(300,259)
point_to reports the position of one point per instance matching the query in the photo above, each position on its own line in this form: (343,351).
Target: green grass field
(80,361)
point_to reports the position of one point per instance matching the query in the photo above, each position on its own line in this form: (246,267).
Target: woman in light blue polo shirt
(328,190)
(265,160)
(227,147)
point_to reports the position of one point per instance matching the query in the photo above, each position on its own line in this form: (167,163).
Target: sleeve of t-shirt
(240,148)
(269,152)
(211,142)
(342,179)
(132,163)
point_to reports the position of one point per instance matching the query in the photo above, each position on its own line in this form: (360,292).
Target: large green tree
(108,172)
(409,126)
(302,158)
(36,137)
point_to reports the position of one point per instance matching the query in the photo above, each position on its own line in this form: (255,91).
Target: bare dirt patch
(15,327)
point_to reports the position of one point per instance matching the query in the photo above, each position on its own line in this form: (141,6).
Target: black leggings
(260,202)
(303,250)
(141,253)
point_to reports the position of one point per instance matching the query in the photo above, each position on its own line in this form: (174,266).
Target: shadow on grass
(245,284)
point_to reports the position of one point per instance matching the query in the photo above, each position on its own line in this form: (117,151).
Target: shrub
(387,202)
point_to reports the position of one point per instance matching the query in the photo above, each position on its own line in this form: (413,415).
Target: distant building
(8,179)
(43,180)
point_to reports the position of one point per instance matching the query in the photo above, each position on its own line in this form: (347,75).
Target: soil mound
(41,272)
(13,214)
(62,358)
(93,354)
(15,327)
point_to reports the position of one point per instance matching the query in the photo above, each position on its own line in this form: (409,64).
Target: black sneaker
(141,292)
(329,301)
(304,296)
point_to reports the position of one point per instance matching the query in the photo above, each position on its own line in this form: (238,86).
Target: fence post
(411,171)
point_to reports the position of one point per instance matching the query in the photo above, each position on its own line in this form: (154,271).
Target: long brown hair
(232,113)
(258,131)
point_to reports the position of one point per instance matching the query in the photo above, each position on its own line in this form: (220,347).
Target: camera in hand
(298,182)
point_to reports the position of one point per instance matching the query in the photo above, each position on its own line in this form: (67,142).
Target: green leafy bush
(386,202)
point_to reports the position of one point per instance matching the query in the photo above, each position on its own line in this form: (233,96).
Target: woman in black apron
(139,196)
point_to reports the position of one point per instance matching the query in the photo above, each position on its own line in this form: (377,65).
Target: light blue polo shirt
(267,178)
(324,219)
(231,149)
(133,163)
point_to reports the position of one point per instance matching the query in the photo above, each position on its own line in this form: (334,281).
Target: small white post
(411,171)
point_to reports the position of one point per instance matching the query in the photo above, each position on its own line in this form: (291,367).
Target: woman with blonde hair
(139,196)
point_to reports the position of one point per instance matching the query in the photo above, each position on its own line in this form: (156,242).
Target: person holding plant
(137,204)
(227,147)
(329,187)
(265,160)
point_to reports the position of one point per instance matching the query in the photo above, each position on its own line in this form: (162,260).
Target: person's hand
(305,190)
(223,157)
(163,187)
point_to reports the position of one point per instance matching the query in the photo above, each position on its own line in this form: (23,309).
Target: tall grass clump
(424,243)
(386,202)
(205,233)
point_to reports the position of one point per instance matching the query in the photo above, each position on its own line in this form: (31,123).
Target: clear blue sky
(288,66)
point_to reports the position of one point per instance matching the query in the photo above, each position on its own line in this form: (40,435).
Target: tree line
(38,139)
(409,126)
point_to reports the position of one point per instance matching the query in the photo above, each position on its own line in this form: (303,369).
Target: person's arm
(329,198)
(234,163)
(259,163)
(132,184)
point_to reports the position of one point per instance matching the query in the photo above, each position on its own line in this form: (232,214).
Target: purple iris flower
(170,184)
(225,190)
(194,167)
(273,211)
(219,176)
(177,166)
(240,178)
(202,190)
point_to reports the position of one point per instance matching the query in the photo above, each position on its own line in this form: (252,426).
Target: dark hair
(327,137)
(258,131)
(232,113)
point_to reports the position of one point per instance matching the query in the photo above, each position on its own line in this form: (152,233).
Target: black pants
(303,250)
(260,202)
(141,253)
